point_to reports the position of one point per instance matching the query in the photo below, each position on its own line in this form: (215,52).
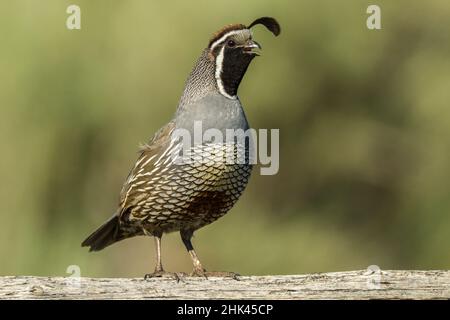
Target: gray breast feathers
(214,111)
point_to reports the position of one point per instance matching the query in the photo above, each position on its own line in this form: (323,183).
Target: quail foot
(161,195)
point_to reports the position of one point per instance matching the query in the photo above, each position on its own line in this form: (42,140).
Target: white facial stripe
(226,35)
(219,63)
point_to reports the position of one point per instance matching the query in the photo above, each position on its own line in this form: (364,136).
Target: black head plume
(270,23)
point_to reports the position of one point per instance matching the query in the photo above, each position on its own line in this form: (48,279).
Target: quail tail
(104,236)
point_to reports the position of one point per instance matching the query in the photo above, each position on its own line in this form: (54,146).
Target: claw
(199,273)
(163,274)
(223,274)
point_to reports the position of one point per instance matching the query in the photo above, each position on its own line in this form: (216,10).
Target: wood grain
(363,284)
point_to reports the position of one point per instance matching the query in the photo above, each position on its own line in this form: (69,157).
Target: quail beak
(250,47)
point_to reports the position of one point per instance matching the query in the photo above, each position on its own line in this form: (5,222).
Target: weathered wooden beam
(389,284)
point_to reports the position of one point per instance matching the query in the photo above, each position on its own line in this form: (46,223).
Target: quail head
(161,195)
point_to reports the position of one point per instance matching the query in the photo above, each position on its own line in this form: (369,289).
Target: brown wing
(138,185)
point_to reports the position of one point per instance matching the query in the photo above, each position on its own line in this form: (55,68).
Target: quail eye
(231,43)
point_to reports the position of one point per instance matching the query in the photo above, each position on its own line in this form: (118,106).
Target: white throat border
(218,74)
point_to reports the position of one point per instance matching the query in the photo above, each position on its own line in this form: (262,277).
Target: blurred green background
(364,121)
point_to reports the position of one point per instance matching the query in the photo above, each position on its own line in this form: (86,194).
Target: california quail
(161,195)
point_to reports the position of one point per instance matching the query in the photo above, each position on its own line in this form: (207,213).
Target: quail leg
(198,270)
(159,271)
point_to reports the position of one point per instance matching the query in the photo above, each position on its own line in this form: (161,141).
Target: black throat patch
(234,65)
